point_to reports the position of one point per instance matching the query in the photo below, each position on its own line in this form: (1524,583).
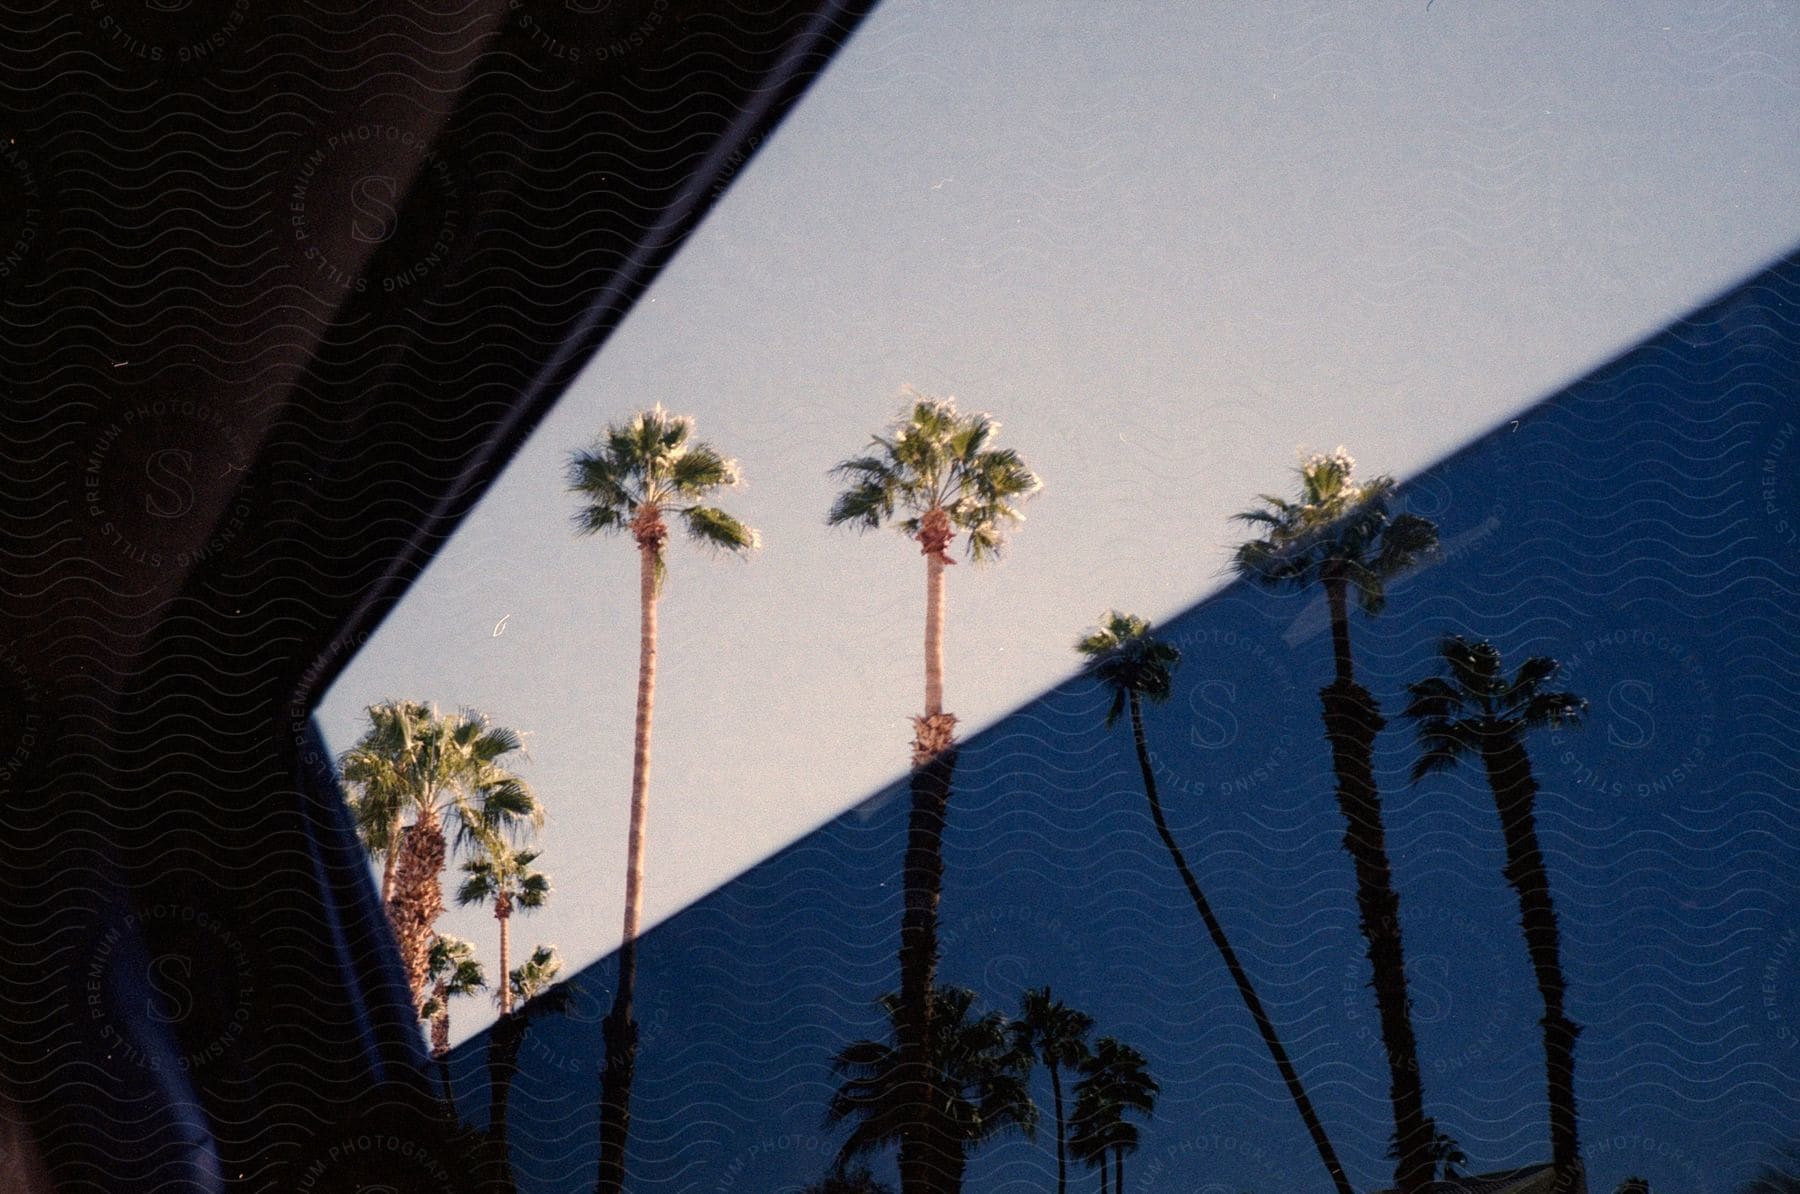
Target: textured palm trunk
(418,897)
(930,1161)
(440,1042)
(1351,723)
(1062,1161)
(1515,796)
(1246,991)
(619,1030)
(393,857)
(503,914)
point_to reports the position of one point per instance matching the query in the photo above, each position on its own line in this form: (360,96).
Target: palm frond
(712,527)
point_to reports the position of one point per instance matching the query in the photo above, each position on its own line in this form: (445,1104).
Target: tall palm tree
(1476,710)
(452,971)
(1056,1034)
(1343,535)
(933,476)
(444,771)
(1125,656)
(634,477)
(1115,1081)
(980,1072)
(504,875)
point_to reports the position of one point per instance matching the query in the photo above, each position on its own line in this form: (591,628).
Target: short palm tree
(1128,659)
(933,475)
(452,971)
(505,876)
(636,476)
(1115,1081)
(1343,535)
(442,771)
(981,1075)
(1056,1035)
(1475,710)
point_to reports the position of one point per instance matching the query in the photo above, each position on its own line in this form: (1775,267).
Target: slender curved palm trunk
(503,914)
(930,1160)
(1351,724)
(1062,1160)
(619,1030)
(1515,796)
(1264,1025)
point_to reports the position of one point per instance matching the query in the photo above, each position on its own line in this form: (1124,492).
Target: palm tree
(452,971)
(1474,709)
(504,875)
(1136,666)
(1056,1034)
(980,1072)
(1115,1080)
(444,771)
(933,475)
(1342,534)
(634,475)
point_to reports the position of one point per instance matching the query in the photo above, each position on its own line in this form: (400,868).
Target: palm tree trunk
(924,1149)
(1062,1160)
(1351,723)
(503,914)
(1515,796)
(620,1030)
(503,1063)
(1335,600)
(393,857)
(927,1154)
(1264,1025)
(1118,1171)
(418,897)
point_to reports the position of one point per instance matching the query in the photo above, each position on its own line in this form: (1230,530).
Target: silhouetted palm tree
(933,475)
(1342,535)
(1476,710)
(633,476)
(452,971)
(442,770)
(1115,1081)
(1137,666)
(981,1076)
(504,875)
(1056,1034)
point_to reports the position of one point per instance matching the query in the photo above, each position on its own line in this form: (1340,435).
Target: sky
(1167,247)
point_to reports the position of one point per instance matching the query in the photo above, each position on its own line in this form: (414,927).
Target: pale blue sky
(1165,246)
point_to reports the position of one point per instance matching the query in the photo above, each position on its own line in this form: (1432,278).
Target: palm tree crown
(1339,529)
(1475,704)
(504,875)
(452,970)
(982,1076)
(532,977)
(935,467)
(1126,657)
(638,470)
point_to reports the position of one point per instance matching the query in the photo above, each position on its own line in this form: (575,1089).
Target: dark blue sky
(1640,527)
